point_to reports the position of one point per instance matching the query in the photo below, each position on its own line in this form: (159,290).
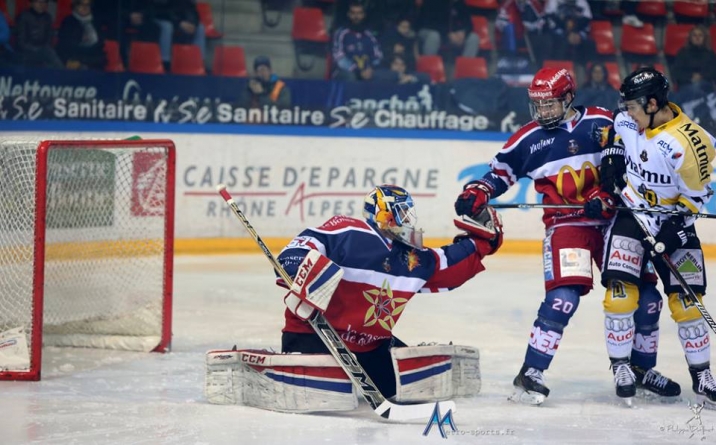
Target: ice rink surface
(98,397)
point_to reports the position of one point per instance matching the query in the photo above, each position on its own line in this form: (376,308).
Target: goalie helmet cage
(86,248)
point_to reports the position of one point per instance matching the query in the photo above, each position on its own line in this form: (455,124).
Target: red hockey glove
(473,199)
(485,229)
(600,205)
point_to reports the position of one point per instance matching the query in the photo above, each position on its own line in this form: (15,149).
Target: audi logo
(628,244)
(618,324)
(693,332)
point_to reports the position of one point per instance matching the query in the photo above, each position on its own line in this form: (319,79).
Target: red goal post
(86,248)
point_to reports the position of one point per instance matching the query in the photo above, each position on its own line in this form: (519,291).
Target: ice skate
(625,381)
(651,384)
(704,386)
(530,387)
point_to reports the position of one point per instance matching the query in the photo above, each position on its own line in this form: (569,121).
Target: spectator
(178,21)
(446,21)
(7,55)
(34,37)
(695,65)
(126,21)
(80,45)
(522,21)
(568,22)
(597,90)
(398,73)
(400,40)
(356,51)
(265,88)
(626,7)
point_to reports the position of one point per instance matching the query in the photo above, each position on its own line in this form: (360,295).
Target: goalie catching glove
(313,286)
(485,229)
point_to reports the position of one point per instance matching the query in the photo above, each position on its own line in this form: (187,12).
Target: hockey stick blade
(578,206)
(338,349)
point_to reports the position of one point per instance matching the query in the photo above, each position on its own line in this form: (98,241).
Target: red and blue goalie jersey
(562,162)
(380,277)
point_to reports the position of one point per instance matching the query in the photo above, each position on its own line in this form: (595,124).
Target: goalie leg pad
(436,372)
(294,383)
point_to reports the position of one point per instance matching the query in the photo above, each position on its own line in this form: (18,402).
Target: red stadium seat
(656,9)
(229,61)
(308,25)
(187,60)
(675,37)
(639,41)
(566,64)
(471,67)
(114,61)
(602,33)
(691,8)
(483,4)
(615,79)
(64,8)
(207,19)
(480,27)
(145,57)
(433,66)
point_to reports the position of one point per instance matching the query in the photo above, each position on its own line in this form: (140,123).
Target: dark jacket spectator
(34,37)
(597,90)
(399,73)
(126,20)
(521,20)
(400,40)
(80,43)
(695,63)
(446,21)
(356,51)
(179,23)
(265,88)
(7,55)
(569,24)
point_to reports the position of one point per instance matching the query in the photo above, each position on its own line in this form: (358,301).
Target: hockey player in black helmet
(669,158)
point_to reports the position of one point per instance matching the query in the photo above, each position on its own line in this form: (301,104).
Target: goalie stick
(338,349)
(659,251)
(578,206)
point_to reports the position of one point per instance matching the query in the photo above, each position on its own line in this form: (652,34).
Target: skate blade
(649,396)
(627,401)
(708,404)
(527,397)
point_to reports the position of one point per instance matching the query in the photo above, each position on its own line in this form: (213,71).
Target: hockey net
(86,248)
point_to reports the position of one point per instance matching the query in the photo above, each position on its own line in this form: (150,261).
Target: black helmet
(648,83)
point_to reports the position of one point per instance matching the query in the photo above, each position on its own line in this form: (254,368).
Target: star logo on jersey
(572,146)
(601,134)
(384,307)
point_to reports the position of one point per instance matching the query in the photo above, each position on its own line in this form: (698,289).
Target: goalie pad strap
(436,372)
(294,383)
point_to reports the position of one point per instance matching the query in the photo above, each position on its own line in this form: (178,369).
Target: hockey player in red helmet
(551,95)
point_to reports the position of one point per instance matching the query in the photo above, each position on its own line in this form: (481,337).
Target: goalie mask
(392,210)
(548,91)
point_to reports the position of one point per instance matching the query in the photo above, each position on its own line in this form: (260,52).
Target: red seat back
(432,66)
(603,35)
(640,41)
(229,61)
(483,4)
(656,8)
(145,57)
(308,25)
(675,37)
(691,8)
(114,60)
(615,79)
(471,67)
(207,19)
(187,60)
(481,28)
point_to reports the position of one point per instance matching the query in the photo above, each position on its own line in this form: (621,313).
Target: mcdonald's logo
(579,178)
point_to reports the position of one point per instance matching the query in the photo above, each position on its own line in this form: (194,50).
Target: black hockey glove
(600,205)
(612,171)
(671,237)
(473,198)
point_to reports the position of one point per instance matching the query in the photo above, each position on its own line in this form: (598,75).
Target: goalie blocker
(301,383)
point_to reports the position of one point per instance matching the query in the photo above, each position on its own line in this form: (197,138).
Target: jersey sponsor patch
(545,342)
(647,344)
(575,263)
(690,264)
(625,255)
(547,258)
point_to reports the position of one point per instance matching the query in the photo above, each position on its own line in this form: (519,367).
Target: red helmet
(550,85)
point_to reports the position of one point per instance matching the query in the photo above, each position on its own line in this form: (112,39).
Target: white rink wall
(286,183)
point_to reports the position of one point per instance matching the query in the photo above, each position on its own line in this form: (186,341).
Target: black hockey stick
(577,206)
(658,251)
(338,349)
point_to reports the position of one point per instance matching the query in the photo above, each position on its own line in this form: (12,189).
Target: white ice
(97,397)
